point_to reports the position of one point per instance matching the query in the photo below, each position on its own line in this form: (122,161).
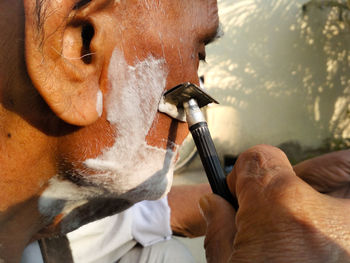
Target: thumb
(221,229)
(260,172)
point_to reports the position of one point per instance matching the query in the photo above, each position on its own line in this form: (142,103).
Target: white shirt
(108,239)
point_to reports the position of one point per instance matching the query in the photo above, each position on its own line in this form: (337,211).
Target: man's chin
(84,204)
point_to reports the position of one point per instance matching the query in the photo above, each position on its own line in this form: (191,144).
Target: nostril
(87,33)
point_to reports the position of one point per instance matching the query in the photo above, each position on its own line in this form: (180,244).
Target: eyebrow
(218,34)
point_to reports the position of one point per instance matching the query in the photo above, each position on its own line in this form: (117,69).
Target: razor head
(186,91)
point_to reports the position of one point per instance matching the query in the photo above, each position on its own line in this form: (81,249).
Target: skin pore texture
(115,172)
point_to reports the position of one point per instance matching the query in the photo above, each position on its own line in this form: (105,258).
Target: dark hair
(40,13)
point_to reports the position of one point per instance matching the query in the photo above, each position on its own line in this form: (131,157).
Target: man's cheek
(132,109)
(166,132)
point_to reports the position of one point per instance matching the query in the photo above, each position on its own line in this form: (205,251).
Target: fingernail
(205,207)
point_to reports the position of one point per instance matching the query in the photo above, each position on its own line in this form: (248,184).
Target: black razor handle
(210,160)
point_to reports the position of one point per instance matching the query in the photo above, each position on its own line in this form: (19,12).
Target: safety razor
(189,98)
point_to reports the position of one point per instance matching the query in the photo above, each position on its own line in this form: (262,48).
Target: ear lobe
(61,61)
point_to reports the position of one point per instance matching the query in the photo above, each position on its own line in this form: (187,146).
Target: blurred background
(281,73)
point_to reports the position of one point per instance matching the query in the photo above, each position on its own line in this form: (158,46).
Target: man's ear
(62,59)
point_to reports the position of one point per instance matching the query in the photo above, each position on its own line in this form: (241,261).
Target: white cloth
(151,222)
(170,251)
(103,241)
(134,235)
(108,239)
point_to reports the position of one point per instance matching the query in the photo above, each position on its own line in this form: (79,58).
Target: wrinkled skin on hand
(281,218)
(329,173)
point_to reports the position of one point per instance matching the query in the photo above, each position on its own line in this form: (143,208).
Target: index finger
(327,172)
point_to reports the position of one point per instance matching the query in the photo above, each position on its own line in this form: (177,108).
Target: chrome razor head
(184,92)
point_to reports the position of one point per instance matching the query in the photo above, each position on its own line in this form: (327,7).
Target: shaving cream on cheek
(131,106)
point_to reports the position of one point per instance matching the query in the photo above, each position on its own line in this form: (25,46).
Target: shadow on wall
(285,72)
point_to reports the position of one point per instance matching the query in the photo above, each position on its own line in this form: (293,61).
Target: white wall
(280,75)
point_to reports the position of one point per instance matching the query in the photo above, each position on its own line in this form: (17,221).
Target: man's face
(103,65)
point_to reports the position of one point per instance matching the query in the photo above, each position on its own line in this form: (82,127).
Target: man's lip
(171,110)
